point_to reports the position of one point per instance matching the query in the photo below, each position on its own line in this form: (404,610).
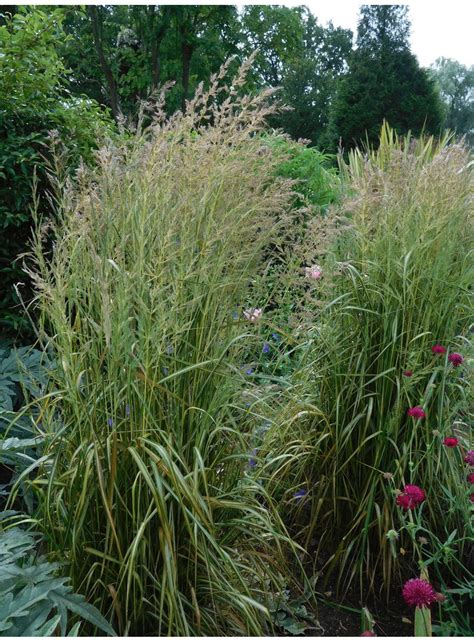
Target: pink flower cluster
(416,412)
(454,358)
(419,593)
(253,314)
(469,460)
(411,497)
(314,272)
(450,441)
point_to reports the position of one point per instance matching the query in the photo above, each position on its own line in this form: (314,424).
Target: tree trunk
(187,52)
(109,76)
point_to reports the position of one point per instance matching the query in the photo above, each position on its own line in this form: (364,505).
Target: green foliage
(384,82)
(316,181)
(456,84)
(128,51)
(34,601)
(34,100)
(277,33)
(21,369)
(24,376)
(310,80)
(399,284)
(147,493)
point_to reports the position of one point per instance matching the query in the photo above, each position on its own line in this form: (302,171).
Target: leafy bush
(24,375)
(398,283)
(147,495)
(317,183)
(34,601)
(34,100)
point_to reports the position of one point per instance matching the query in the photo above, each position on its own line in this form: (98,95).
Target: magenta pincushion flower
(469,458)
(411,497)
(417,412)
(418,593)
(451,441)
(471,497)
(470,478)
(456,359)
(408,373)
(438,349)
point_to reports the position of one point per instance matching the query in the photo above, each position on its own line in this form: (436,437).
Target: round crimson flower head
(471,497)
(408,373)
(418,593)
(470,478)
(469,458)
(450,441)
(456,359)
(417,412)
(411,497)
(438,349)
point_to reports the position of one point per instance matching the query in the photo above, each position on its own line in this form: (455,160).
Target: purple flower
(249,371)
(127,410)
(266,348)
(469,458)
(253,461)
(276,337)
(110,422)
(300,493)
(169,349)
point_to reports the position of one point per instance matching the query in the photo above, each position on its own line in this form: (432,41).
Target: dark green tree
(456,84)
(384,81)
(119,54)
(278,34)
(310,81)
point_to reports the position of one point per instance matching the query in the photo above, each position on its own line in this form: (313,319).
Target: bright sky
(438,29)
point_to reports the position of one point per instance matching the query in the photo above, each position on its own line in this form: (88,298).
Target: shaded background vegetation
(82,70)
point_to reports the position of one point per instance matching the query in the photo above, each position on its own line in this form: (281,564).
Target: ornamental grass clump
(383,383)
(147,495)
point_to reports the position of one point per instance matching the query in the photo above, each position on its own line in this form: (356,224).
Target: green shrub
(317,183)
(148,495)
(35,602)
(397,283)
(34,101)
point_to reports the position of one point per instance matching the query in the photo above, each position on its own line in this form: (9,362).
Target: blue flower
(169,349)
(266,347)
(253,461)
(110,422)
(276,337)
(300,493)
(249,371)
(127,410)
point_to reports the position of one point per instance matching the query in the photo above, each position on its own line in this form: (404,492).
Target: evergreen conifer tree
(384,81)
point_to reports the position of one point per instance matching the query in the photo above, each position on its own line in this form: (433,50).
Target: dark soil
(391,619)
